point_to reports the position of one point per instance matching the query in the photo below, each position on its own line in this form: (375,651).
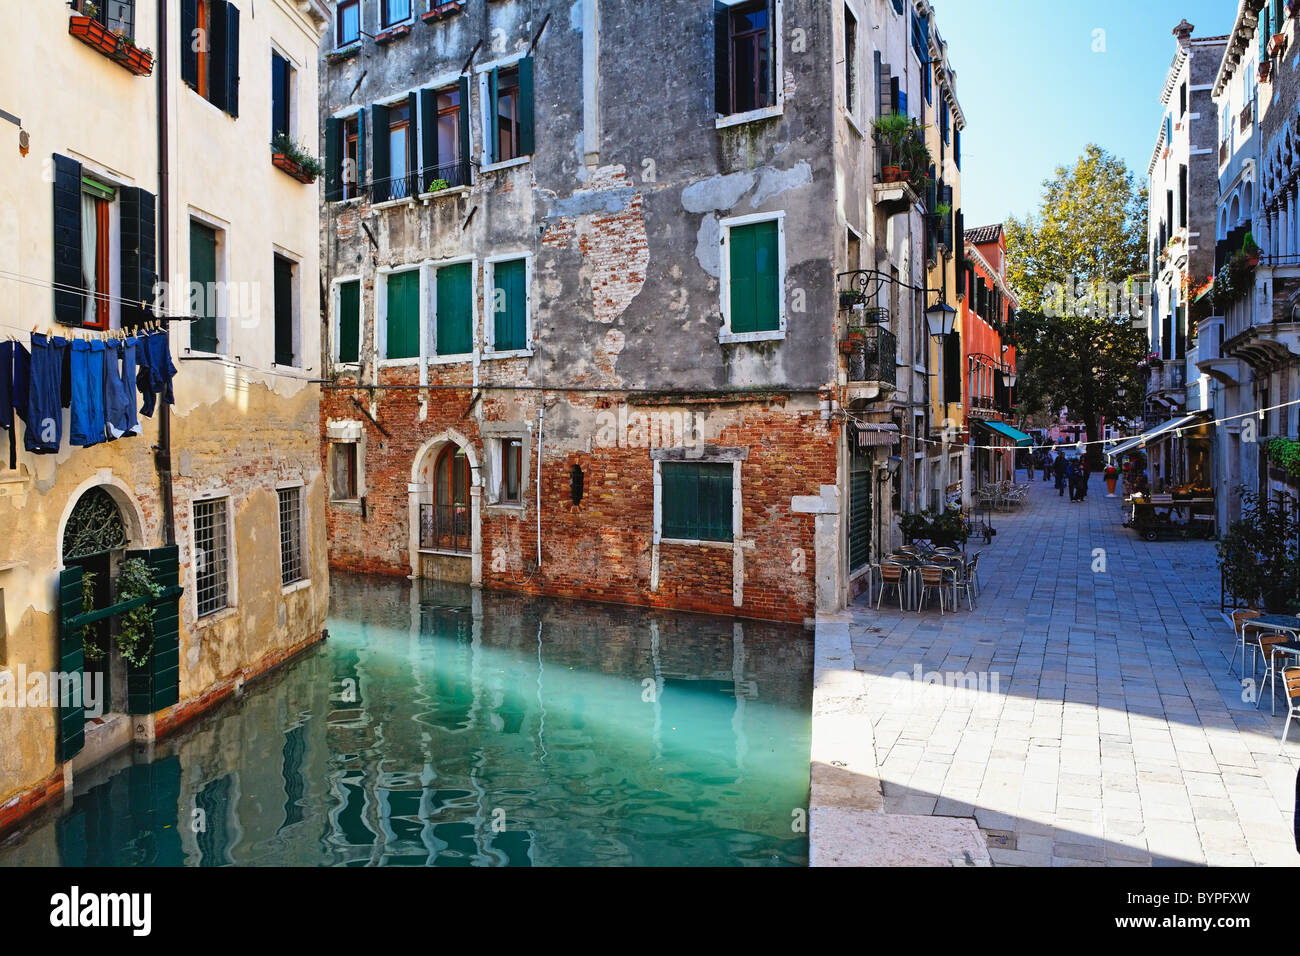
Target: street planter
(117,48)
(294,169)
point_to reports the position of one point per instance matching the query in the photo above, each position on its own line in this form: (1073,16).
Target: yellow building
(137,168)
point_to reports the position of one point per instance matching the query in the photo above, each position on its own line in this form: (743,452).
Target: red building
(988,314)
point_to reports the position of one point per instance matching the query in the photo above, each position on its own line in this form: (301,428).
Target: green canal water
(439,726)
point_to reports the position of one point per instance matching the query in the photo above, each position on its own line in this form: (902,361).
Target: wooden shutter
(232,60)
(429,138)
(721,58)
(279,96)
(494,135)
(403,324)
(695,501)
(960,239)
(203,270)
(218,26)
(772,40)
(139,253)
(283,311)
(455,310)
(381,189)
(68,282)
(884,88)
(156,684)
(361,147)
(334,159)
(952,368)
(510,332)
(755,277)
(526,100)
(349,320)
(413,177)
(464,131)
(946,224)
(189,55)
(70,732)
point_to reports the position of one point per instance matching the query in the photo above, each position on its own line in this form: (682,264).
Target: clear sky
(1035,93)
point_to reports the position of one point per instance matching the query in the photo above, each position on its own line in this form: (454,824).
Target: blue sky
(1034,92)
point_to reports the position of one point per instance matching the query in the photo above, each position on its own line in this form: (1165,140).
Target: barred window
(210,557)
(290,535)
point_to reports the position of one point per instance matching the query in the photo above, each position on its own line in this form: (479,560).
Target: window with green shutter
(695,501)
(510,306)
(754,275)
(349,319)
(203,277)
(455,326)
(403,326)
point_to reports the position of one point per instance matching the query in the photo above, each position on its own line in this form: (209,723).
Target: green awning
(1006,431)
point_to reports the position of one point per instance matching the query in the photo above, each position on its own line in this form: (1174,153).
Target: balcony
(445,528)
(872,355)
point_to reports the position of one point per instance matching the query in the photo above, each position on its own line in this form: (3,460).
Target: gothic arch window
(94,527)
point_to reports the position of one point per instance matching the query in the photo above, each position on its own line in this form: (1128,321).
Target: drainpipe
(163,451)
(541,416)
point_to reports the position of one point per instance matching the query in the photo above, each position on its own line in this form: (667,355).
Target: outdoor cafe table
(912,566)
(1290,623)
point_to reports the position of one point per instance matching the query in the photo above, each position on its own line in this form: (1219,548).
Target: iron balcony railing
(444,528)
(872,355)
(412,184)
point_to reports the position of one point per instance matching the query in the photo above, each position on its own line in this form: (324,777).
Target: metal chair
(1290,681)
(973,572)
(891,576)
(1267,644)
(934,577)
(961,581)
(1239,619)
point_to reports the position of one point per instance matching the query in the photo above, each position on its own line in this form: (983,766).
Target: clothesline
(97,296)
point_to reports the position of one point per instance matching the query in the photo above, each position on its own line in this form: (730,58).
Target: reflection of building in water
(441,725)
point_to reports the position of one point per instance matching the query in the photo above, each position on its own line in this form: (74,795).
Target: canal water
(442,726)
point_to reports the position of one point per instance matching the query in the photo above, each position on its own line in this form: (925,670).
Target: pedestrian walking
(1045,462)
(1085,472)
(1059,468)
(1072,478)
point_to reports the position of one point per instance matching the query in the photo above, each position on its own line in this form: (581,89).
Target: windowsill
(344,202)
(351,367)
(447,554)
(347,504)
(511,507)
(216,617)
(451,359)
(344,52)
(737,119)
(209,103)
(733,338)
(299,585)
(394,32)
(449,191)
(488,354)
(390,203)
(852,120)
(686,543)
(399,362)
(507,164)
(201,353)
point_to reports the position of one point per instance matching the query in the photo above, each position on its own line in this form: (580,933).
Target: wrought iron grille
(290,535)
(446,176)
(94,527)
(445,528)
(873,357)
(210,556)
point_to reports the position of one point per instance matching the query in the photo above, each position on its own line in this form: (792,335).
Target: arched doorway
(449,524)
(95,538)
(445,498)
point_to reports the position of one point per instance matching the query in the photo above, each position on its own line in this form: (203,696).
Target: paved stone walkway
(1114,735)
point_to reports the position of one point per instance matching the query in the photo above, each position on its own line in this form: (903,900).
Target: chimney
(1184,33)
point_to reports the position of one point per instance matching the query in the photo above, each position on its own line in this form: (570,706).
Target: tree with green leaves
(1071,266)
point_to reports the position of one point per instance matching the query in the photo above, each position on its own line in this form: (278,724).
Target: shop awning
(873,435)
(1159,433)
(1006,431)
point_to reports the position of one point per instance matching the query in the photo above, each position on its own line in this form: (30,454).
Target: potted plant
(438,185)
(295,160)
(135,627)
(1251,250)
(1258,553)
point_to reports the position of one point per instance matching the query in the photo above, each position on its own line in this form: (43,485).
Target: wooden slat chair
(1290,681)
(892,576)
(936,578)
(1273,659)
(1239,619)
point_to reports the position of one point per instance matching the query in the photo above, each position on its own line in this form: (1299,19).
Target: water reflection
(443,726)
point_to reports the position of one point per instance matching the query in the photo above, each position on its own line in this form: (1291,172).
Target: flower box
(441,11)
(1276,44)
(281,161)
(117,48)
(396,33)
(1265,69)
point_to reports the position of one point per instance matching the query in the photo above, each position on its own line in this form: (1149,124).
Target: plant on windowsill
(393,33)
(905,154)
(89,649)
(1276,44)
(943,210)
(116,46)
(437,185)
(1265,69)
(441,11)
(343,53)
(295,160)
(135,627)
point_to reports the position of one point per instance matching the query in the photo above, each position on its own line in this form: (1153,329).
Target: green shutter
(232,60)
(382,190)
(494,141)
(361,147)
(510,306)
(156,684)
(429,137)
(218,57)
(71,729)
(403,326)
(203,270)
(1263,28)
(189,55)
(722,58)
(455,310)
(283,276)
(755,278)
(333,160)
(526,124)
(464,131)
(695,501)
(138,253)
(68,302)
(349,319)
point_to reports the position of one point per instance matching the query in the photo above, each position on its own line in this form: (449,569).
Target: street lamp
(1121,391)
(941,317)
(1010,377)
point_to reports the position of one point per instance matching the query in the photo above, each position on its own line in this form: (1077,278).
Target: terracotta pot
(892,174)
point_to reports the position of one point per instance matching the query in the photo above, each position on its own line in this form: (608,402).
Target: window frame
(230,600)
(852,104)
(297,340)
(489,318)
(338,23)
(737,503)
(386,24)
(350,134)
(380,306)
(725,335)
(304,576)
(108,253)
(222,322)
(334,444)
(290,89)
(336,319)
(487,113)
(777,68)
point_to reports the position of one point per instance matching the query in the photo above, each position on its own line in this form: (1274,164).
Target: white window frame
(485,115)
(381,317)
(489,294)
(304,549)
(346,432)
(442,82)
(224,325)
(361,26)
(232,576)
(336,316)
(429,306)
(778,72)
(397,99)
(737,505)
(853,111)
(496,472)
(725,335)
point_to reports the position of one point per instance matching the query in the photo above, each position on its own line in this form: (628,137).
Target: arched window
(446,526)
(1234,216)
(94,527)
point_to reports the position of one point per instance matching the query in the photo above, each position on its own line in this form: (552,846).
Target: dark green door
(860,471)
(156,684)
(203,276)
(283,311)
(71,730)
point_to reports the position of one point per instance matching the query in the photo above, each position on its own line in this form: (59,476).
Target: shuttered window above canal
(696,501)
